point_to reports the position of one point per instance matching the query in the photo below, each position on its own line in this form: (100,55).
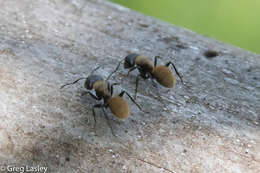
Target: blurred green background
(232,21)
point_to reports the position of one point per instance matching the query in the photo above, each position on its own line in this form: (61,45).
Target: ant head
(90,80)
(130,60)
(88,83)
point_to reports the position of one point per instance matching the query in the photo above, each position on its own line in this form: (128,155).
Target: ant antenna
(95,69)
(115,69)
(73,82)
(80,78)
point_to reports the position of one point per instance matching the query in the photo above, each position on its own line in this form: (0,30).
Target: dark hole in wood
(181,46)
(67,159)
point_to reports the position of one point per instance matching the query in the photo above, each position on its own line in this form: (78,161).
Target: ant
(104,90)
(161,73)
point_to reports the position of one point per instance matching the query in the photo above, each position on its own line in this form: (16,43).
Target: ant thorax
(102,89)
(144,64)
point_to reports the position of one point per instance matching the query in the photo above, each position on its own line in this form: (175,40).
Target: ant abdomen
(119,107)
(164,76)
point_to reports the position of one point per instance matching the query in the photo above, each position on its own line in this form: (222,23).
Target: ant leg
(94,114)
(133,68)
(175,70)
(123,92)
(92,95)
(136,84)
(143,75)
(72,82)
(108,122)
(112,87)
(155,60)
(115,69)
(154,83)
(152,79)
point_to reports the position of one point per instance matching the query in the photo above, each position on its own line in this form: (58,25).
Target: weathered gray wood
(209,125)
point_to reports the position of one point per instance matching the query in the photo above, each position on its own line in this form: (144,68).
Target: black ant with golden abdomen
(162,74)
(104,90)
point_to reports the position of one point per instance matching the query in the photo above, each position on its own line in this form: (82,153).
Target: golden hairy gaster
(121,111)
(168,80)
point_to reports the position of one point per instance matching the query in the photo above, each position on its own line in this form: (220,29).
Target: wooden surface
(210,124)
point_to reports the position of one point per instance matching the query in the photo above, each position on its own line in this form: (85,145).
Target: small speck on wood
(210,54)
